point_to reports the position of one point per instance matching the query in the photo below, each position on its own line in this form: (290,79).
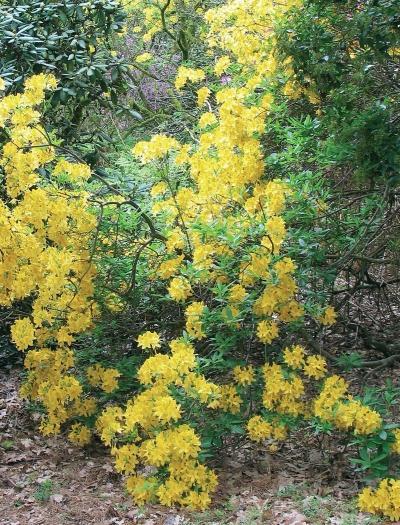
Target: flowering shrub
(46,227)
(221,256)
(386,499)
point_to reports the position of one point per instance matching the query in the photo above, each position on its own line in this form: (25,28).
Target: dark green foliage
(72,40)
(348,52)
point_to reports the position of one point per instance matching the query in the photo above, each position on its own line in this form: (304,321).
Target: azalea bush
(168,315)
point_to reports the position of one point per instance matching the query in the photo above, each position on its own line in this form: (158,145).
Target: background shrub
(72,40)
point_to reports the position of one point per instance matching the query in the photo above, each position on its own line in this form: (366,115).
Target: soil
(48,482)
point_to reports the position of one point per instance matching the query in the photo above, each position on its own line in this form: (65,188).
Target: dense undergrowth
(186,208)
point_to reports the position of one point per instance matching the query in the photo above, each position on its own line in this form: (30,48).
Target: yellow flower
(149,340)
(23,333)
(109,381)
(167,409)
(158,147)
(179,289)
(259,429)
(79,434)
(243,375)
(229,400)
(294,356)
(267,331)
(194,324)
(396,444)
(237,293)
(186,74)
(207,119)
(159,189)
(169,267)
(144,57)
(142,489)
(366,500)
(315,367)
(329,316)
(384,500)
(222,65)
(202,95)
(126,458)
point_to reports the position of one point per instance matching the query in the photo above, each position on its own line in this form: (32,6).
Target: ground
(47,482)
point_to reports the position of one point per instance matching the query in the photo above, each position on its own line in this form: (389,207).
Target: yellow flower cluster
(79,434)
(334,405)
(384,500)
(294,356)
(329,316)
(224,258)
(160,441)
(285,394)
(149,340)
(396,444)
(224,255)
(194,324)
(157,148)
(75,172)
(267,331)
(154,18)
(104,378)
(169,267)
(179,289)
(222,65)
(244,375)
(144,57)
(260,430)
(203,95)
(186,74)
(228,193)
(45,231)
(313,366)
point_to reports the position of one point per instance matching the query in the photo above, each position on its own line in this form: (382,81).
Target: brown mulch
(47,482)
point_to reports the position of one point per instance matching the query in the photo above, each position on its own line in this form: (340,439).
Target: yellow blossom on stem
(144,57)
(149,340)
(315,367)
(23,333)
(385,500)
(167,409)
(237,293)
(259,429)
(396,444)
(179,289)
(329,316)
(267,331)
(202,95)
(243,375)
(294,356)
(79,434)
(222,65)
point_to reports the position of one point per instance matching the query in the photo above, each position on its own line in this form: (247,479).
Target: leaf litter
(47,482)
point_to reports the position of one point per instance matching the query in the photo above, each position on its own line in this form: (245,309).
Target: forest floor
(48,482)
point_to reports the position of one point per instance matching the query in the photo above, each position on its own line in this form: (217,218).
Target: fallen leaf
(26,443)
(292,518)
(56,498)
